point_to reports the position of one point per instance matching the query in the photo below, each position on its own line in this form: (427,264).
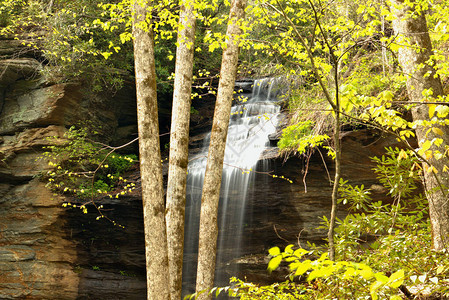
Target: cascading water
(251,123)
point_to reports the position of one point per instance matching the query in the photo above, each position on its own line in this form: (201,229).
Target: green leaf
(218,291)
(387,95)
(373,289)
(350,272)
(381,278)
(323,257)
(427,144)
(396,279)
(106,54)
(291,259)
(366,274)
(394,47)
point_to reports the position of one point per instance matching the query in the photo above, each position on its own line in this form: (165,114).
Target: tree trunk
(179,147)
(337,146)
(150,158)
(212,179)
(414,59)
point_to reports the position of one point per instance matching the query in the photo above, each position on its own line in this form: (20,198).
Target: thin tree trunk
(179,146)
(335,107)
(337,142)
(414,59)
(337,146)
(150,157)
(212,180)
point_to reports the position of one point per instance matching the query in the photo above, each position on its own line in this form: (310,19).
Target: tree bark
(411,27)
(179,146)
(337,146)
(150,157)
(212,180)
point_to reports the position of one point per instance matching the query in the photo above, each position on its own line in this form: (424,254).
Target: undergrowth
(308,108)
(383,250)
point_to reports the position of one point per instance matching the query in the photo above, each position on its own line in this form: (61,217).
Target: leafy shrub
(299,138)
(121,163)
(85,169)
(382,249)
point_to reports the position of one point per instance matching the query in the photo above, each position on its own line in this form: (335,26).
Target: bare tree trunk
(179,146)
(337,146)
(150,157)
(414,59)
(212,180)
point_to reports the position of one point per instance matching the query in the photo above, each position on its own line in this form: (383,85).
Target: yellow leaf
(396,279)
(432,169)
(402,155)
(274,263)
(275,251)
(426,145)
(106,54)
(302,267)
(431,110)
(366,274)
(387,95)
(437,130)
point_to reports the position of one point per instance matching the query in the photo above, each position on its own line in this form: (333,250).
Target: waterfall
(251,122)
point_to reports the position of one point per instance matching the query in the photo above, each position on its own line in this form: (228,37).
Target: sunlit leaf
(437,130)
(431,110)
(274,263)
(303,267)
(274,251)
(396,279)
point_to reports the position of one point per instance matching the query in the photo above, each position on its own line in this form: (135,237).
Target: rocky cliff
(44,253)
(51,252)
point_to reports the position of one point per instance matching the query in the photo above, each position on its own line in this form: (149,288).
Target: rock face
(51,252)
(45,252)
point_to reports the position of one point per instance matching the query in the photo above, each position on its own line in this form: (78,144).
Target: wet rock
(244,86)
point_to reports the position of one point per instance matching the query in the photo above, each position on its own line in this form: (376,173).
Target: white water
(250,125)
